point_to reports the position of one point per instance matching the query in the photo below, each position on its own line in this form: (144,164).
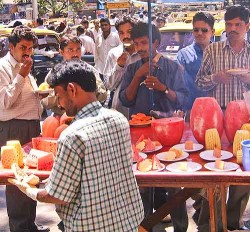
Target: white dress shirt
(17,97)
(113,75)
(102,48)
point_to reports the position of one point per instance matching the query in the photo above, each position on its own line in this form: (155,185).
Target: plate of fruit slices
(46,91)
(228,166)
(209,155)
(156,148)
(183,166)
(161,168)
(140,120)
(147,146)
(196,147)
(163,156)
(142,156)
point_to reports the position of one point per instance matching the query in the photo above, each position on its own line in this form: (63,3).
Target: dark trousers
(160,196)
(236,205)
(21,209)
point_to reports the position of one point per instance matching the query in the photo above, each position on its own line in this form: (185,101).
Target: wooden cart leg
(212,209)
(223,193)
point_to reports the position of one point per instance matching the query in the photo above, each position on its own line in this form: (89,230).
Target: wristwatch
(167,90)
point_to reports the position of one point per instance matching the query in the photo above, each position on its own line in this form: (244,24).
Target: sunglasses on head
(204,30)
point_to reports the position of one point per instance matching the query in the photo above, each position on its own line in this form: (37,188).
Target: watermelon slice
(137,158)
(40,159)
(149,145)
(45,144)
(140,139)
(156,164)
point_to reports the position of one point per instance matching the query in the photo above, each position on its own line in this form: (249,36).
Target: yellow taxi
(178,35)
(50,38)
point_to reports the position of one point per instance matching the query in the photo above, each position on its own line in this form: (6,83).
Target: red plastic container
(168,131)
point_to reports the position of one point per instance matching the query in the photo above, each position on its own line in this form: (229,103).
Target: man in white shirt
(41,38)
(117,61)
(104,43)
(88,45)
(96,30)
(20,112)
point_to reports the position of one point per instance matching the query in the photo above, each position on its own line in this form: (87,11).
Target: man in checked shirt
(92,178)
(214,76)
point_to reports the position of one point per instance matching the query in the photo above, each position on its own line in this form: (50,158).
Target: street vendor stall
(189,180)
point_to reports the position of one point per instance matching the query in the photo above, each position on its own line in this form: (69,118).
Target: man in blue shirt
(164,90)
(190,57)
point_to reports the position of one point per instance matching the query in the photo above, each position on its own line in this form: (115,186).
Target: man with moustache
(117,61)
(20,113)
(214,77)
(164,90)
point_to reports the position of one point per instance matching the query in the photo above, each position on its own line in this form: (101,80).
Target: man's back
(103,191)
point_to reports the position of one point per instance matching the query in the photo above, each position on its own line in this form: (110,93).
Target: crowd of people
(92,181)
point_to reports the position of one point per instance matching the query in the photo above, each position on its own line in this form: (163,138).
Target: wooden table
(191,182)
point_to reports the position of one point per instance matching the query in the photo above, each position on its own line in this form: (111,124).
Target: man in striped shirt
(214,76)
(220,57)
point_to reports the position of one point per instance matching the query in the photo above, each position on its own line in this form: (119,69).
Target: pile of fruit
(139,119)
(53,126)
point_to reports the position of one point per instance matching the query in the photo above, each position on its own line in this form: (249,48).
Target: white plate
(159,170)
(157,148)
(196,147)
(44,91)
(228,166)
(208,155)
(238,71)
(143,155)
(161,156)
(192,167)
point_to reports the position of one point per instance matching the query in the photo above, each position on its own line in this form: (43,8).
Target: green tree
(56,8)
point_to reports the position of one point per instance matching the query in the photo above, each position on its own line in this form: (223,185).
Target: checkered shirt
(217,57)
(93,173)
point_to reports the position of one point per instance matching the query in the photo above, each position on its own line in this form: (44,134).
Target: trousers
(20,208)
(236,204)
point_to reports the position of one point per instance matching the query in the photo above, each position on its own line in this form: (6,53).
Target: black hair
(76,71)
(39,21)
(140,29)
(17,23)
(160,19)
(80,30)
(237,11)
(124,20)
(66,39)
(104,20)
(85,21)
(22,32)
(205,17)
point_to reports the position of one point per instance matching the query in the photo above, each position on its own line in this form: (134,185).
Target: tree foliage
(56,8)
(53,7)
